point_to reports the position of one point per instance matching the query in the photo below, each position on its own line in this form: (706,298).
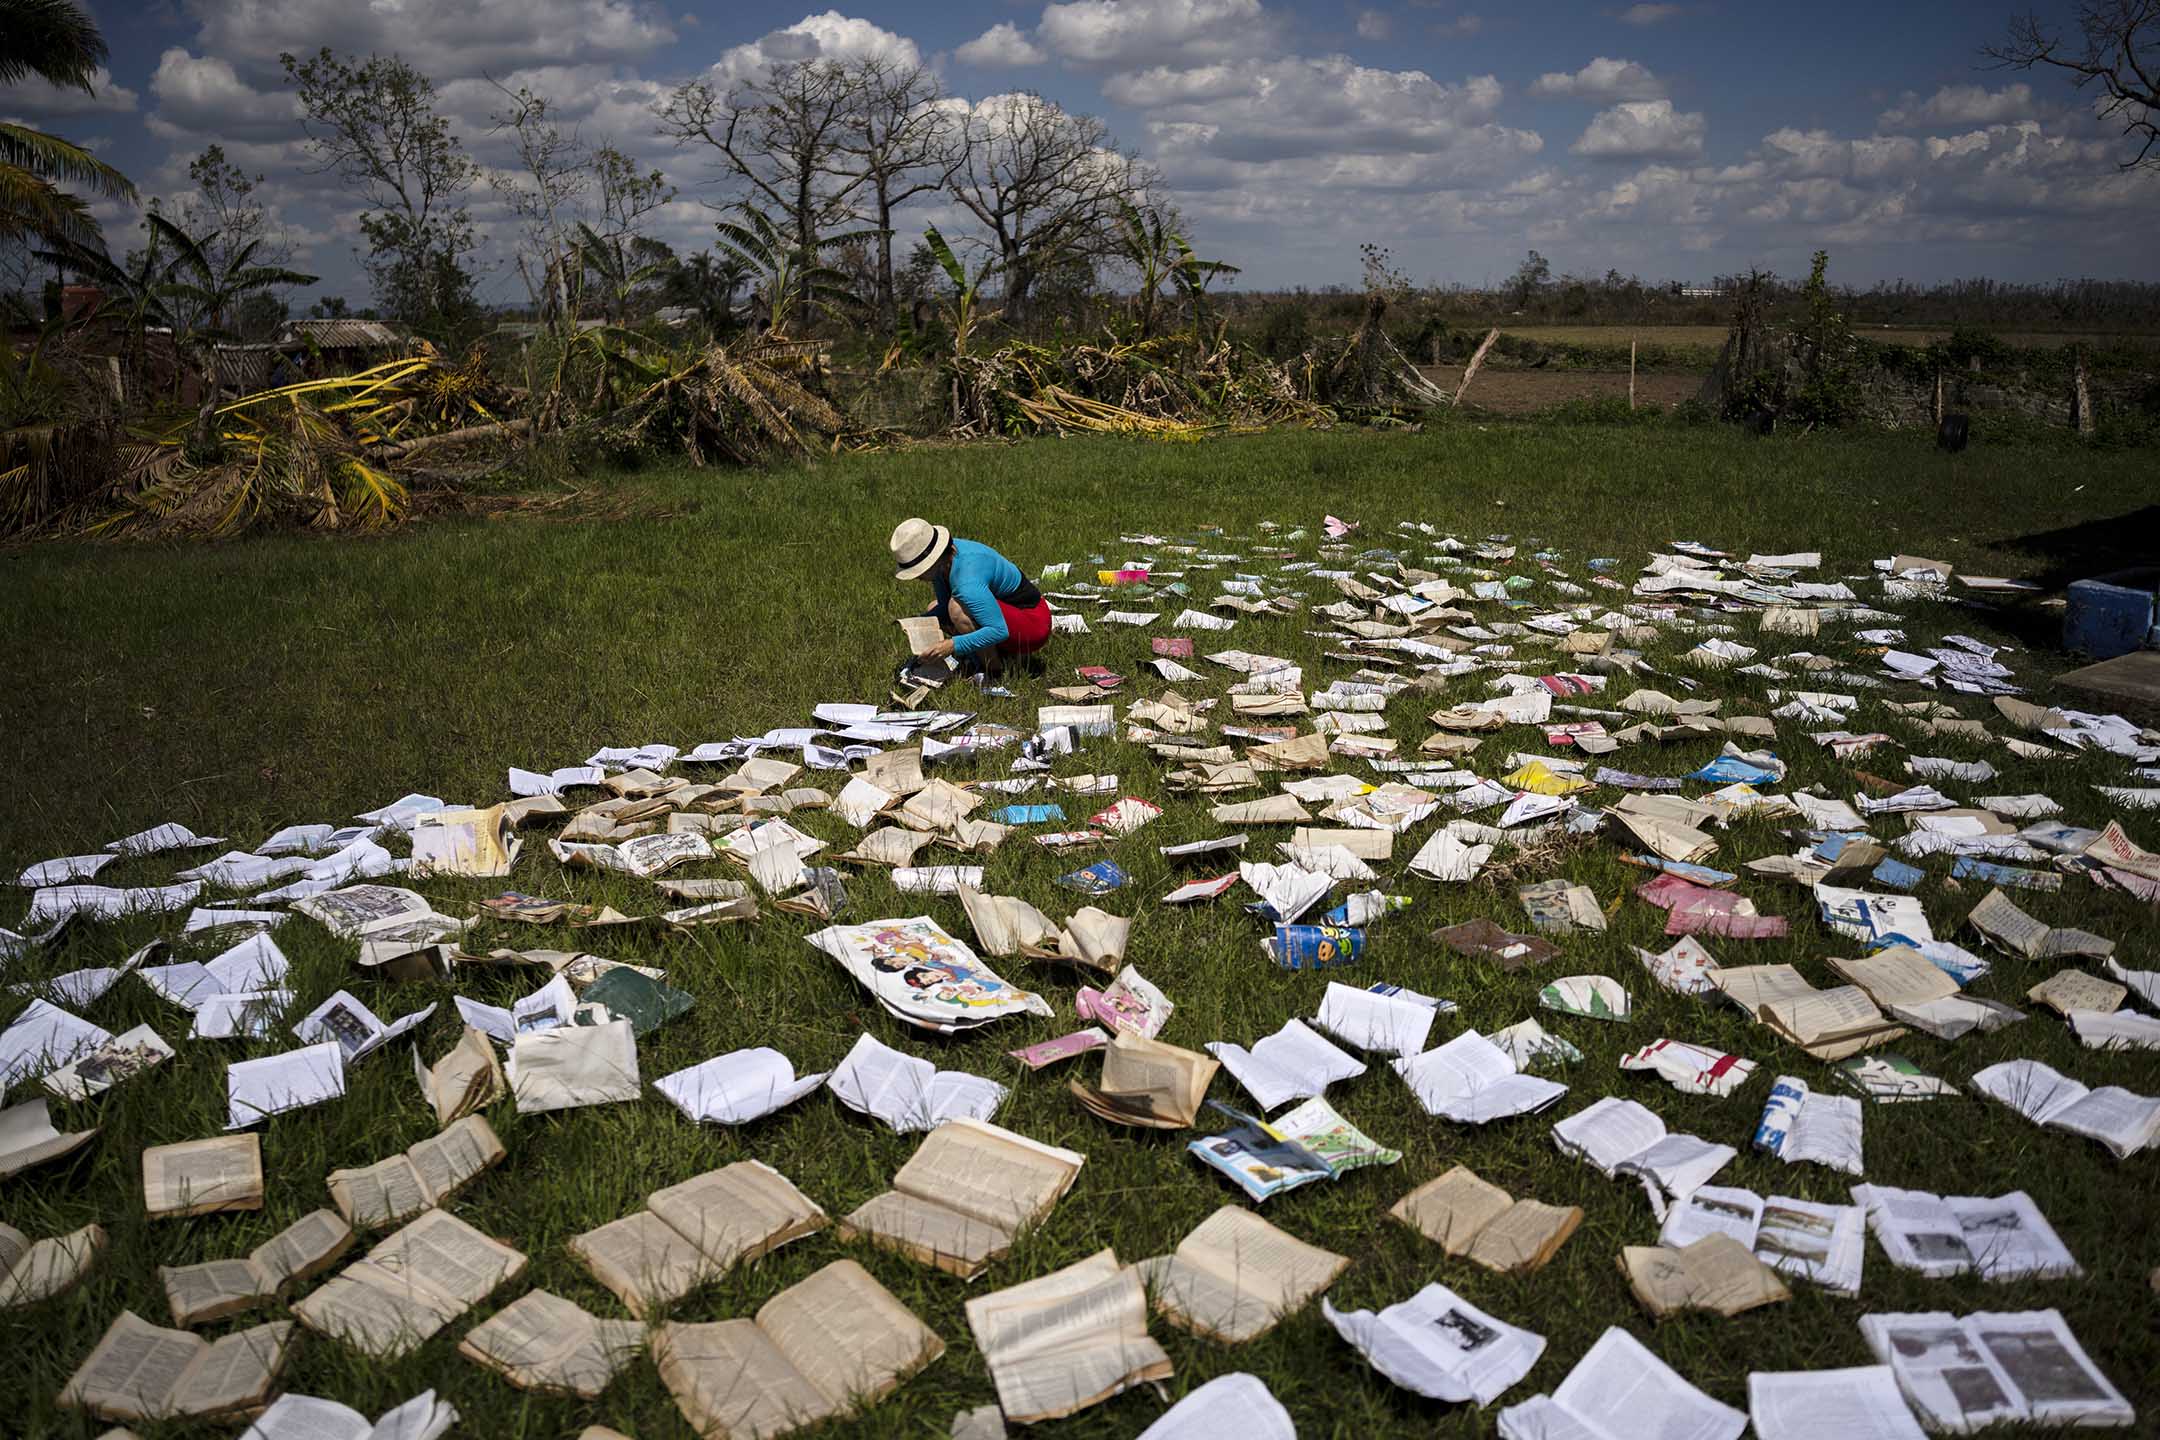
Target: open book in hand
(215,1289)
(827,1347)
(1471,1218)
(1236,1275)
(967,1191)
(694,1232)
(1439,1345)
(141,1371)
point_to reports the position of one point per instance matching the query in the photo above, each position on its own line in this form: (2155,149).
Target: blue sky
(1675,140)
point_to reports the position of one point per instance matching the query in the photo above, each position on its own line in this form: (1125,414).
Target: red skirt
(1026,631)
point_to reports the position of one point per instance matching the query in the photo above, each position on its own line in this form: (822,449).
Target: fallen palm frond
(317,453)
(741,401)
(1155,387)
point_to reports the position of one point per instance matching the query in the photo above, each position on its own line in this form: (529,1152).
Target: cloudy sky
(1673,140)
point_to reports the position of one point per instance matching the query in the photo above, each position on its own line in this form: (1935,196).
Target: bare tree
(626,195)
(543,194)
(902,141)
(778,134)
(1046,184)
(2117,48)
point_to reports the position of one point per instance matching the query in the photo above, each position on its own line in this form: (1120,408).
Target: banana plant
(791,279)
(963,313)
(1192,276)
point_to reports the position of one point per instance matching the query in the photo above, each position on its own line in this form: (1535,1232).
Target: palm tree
(58,42)
(209,289)
(791,279)
(617,270)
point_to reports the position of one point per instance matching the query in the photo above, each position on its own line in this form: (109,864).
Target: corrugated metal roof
(342,334)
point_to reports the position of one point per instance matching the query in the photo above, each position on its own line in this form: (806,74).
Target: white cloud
(1375,25)
(1641,130)
(33,99)
(203,95)
(1001,44)
(1650,14)
(1961,105)
(1603,80)
(1131,32)
(446,38)
(830,36)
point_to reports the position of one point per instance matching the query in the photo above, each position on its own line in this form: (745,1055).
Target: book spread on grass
(1309,1143)
(738,1087)
(197,1177)
(2011,929)
(1473,1219)
(2122,1121)
(27,1137)
(1860,1403)
(1965,1374)
(963,1196)
(1382,1020)
(925,976)
(255,1090)
(1621,1137)
(574,1065)
(694,1232)
(2004,1238)
(1799,1124)
(425,1177)
(1237,1406)
(1066,1341)
(907,1093)
(543,1342)
(409,1286)
(1470,1080)
(1825,1244)
(1294,1063)
(34,1270)
(1236,1275)
(467,1078)
(141,1371)
(303,1417)
(1714,1272)
(1148,1084)
(1621,1391)
(824,1348)
(1439,1345)
(216,1289)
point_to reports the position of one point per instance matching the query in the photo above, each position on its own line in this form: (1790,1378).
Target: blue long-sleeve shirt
(979,576)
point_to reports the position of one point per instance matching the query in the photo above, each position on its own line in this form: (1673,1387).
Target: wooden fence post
(2081,397)
(1631,374)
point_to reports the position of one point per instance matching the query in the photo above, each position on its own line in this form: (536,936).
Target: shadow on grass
(2093,547)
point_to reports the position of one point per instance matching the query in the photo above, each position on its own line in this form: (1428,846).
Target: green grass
(241,687)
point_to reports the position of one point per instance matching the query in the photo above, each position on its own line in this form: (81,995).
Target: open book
(969,1188)
(197,1177)
(141,1371)
(1236,1275)
(543,1342)
(694,1232)
(1309,1143)
(1439,1345)
(1148,1084)
(1069,1340)
(1798,1124)
(303,1417)
(215,1289)
(1471,1080)
(1825,1244)
(2122,1121)
(27,1137)
(392,1191)
(2010,928)
(908,1093)
(34,1270)
(1291,1064)
(1963,1375)
(826,1347)
(1827,1024)
(468,1077)
(1714,1272)
(2005,1238)
(1621,1137)
(1473,1218)
(412,1284)
(1621,1391)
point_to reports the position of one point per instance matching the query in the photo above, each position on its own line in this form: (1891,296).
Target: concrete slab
(2135,676)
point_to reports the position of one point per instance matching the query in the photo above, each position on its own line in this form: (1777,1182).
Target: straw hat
(917,546)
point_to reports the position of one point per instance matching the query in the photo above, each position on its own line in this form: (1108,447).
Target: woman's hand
(940,651)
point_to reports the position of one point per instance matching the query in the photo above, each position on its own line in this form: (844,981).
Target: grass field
(242,687)
(1710,337)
